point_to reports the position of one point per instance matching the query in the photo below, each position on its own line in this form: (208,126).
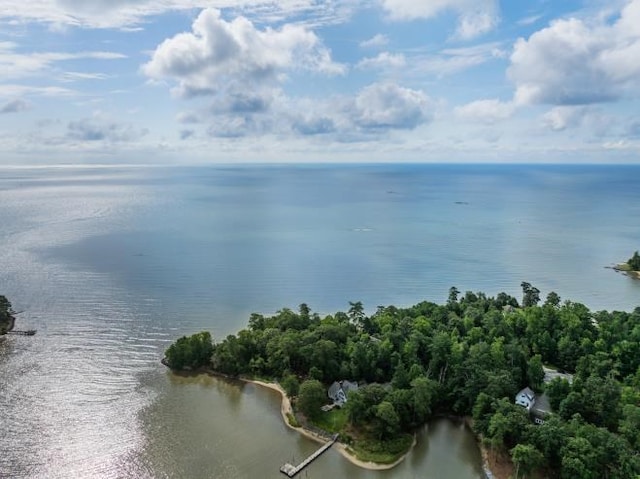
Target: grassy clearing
(332,421)
(382,452)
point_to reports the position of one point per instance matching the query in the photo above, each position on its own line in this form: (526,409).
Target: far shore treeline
(468,357)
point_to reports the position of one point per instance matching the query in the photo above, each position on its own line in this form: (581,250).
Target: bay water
(111,264)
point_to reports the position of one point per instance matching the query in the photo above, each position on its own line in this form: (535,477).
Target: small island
(549,387)
(631,267)
(7,318)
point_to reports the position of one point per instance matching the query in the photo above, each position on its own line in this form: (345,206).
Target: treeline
(634,262)
(467,357)
(190,353)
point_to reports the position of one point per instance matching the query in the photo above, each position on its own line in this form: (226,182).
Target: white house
(338,392)
(526,398)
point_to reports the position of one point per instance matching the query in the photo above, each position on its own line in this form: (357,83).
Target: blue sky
(193,81)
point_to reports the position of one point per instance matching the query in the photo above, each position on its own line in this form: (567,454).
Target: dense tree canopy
(469,356)
(190,352)
(634,262)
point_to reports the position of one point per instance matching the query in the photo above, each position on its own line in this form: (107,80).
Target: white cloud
(562,117)
(13,90)
(593,121)
(378,40)
(573,62)
(454,60)
(383,60)
(19,65)
(79,76)
(100,128)
(486,111)
(530,20)
(390,106)
(219,55)
(14,106)
(475,16)
(130,14)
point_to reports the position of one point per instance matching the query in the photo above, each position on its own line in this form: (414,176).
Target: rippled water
(111,264)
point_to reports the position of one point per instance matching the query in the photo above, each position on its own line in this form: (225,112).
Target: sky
(222,81)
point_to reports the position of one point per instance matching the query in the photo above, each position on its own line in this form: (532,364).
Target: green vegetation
(6,315)
(634,262)
(468,357)
(333,421)
(382,452)
(190,352)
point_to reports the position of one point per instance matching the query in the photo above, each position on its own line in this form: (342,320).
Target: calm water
(111,264)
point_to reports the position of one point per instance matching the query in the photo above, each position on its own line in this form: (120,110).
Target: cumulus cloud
(390,106)
(572,62)
(218,54)
(98,128)
(486,111)
(242,103)
(594,120)
(14,106)
(314,125)
(475,16)
(562,117)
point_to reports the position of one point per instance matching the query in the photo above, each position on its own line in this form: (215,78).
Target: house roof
(527,392)
(333,390)
(542,405)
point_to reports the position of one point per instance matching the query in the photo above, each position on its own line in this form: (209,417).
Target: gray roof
(541,406)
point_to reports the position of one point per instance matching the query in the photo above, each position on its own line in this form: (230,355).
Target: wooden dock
(291,470)
(29,332)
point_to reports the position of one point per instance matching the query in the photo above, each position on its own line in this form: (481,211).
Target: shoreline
(343,449)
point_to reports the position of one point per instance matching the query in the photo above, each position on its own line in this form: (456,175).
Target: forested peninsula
(468,358)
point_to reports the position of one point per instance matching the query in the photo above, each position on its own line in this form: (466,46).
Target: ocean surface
(110,264)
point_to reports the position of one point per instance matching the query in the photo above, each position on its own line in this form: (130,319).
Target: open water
(111,264)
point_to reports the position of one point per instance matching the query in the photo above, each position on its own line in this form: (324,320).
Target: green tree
(291,385)
(535,372)
(553,299)
(630,425)
(311,397)
(557,389)
(526,458)
(530,295)
(424,391)
(388,420)
(190,352)
(634,262)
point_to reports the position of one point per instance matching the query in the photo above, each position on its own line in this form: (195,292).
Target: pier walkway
(30,332)
(291,470)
